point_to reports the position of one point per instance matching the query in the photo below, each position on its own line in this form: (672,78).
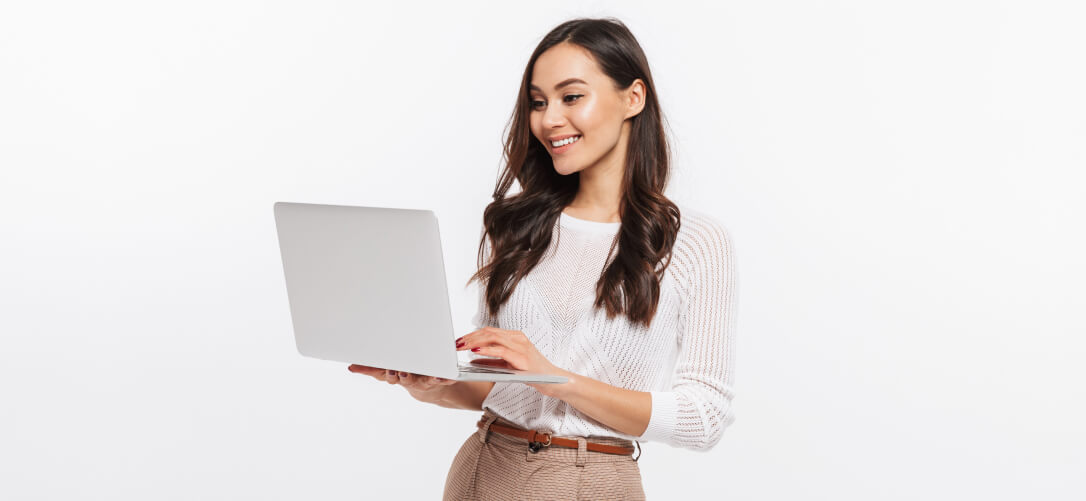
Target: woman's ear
(634,96)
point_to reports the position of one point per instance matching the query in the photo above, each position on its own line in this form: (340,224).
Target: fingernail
(402,374)
(459,344)
(459,338)
(475,349)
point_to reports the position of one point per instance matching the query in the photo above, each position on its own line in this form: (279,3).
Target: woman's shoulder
(703,246)
(699,228)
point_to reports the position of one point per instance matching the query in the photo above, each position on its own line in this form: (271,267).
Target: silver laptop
(366,285)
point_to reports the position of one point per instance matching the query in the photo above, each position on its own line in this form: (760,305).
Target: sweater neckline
(569,221)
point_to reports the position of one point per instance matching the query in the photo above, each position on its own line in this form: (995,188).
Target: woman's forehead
(561,64)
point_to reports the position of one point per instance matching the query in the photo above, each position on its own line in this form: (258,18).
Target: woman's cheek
(582,118)
(587,119)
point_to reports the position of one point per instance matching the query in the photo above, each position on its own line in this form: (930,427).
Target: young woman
(591,273)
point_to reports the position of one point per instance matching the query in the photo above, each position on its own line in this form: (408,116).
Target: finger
(391,377)
(513,358)
(462,339)
(409,379)
(489,339)
(491,362)
(479,332)
(362,369)
(373,372)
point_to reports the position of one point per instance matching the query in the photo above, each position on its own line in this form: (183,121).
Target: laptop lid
(366,285)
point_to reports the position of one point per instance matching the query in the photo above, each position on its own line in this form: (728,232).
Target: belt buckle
(535,445)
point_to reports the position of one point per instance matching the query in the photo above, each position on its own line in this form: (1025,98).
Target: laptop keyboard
(482,370)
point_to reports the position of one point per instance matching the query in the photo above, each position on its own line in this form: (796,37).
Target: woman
(590,273)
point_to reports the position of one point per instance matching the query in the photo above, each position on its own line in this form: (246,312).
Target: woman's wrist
(562,391)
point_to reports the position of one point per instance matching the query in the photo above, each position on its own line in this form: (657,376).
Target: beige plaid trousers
(495,467)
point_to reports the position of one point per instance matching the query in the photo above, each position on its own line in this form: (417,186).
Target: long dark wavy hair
(520,226)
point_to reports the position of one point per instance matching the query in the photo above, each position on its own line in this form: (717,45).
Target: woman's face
(572,98)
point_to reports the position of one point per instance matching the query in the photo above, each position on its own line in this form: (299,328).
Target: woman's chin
(565,169)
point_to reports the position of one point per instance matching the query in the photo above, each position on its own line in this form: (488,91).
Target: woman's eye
(536,104)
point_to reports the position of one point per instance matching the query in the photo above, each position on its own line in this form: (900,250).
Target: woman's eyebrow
(561,84)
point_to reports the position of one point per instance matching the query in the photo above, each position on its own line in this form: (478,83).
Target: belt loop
(638,450)
(582,451)
(484,431)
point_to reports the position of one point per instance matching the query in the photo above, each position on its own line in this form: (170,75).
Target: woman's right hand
(423,388)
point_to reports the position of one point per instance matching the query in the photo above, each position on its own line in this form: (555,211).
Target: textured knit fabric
(493,466)
(685,357)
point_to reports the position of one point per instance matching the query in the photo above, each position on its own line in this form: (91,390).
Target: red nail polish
(475,349)
(459,338)
(459,344)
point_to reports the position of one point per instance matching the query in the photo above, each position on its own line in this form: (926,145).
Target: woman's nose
(553,117)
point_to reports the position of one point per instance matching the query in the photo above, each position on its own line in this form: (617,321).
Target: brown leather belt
(537,440)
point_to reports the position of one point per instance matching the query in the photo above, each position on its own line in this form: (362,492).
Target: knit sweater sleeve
(697,408)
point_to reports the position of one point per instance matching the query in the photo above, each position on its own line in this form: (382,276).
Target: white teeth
(564,141)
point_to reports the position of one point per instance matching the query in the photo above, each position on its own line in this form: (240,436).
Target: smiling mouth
(563,142)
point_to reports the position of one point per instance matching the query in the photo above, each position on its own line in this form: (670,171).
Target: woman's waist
(561,426)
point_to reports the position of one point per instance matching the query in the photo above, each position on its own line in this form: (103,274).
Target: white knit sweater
(685,358)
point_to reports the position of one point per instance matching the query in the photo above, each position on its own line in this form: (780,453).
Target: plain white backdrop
(903,182)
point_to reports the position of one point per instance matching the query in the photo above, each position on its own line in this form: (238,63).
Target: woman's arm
(625,411)
(696,410)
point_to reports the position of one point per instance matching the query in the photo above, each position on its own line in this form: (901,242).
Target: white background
(902,180)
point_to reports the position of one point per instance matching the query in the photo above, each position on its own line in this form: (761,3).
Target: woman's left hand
(516,352)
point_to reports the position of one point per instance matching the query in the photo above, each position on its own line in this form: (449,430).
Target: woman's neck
(599,194)
(596,203)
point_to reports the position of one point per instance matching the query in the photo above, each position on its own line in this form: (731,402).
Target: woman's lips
(565,148)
